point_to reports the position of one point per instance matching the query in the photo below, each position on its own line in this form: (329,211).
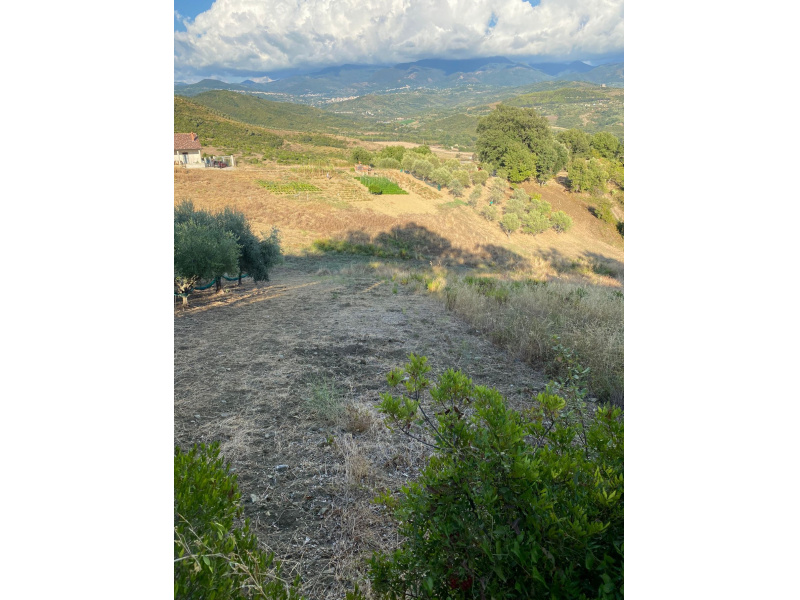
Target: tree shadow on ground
(584,264)
(415,241)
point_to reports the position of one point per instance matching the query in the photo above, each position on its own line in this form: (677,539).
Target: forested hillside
(275,115)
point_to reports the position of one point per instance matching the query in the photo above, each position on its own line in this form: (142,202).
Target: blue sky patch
(492,23)
(189,9)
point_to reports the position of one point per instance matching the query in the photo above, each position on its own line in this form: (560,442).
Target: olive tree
(201,251)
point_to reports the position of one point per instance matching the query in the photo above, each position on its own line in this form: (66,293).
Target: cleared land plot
(427,219)
(288,373)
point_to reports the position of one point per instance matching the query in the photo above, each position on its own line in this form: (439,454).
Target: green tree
(395,152)
(479,177)
(616,173)
(408,161)
(519,162)
(510,222)
(474,196)
(270,247)
(422,168)
(361,155)
(606,145)
(489,213)
(587,176)
(388,163)
(462,176)
(456,188)
(535,222)
(441,176)
(498,185)
(201,252)
(576,141)
(519,142)
(521,195)
(252,259)
(424,149)
(561,221)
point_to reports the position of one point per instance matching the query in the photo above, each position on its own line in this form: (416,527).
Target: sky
(240,39)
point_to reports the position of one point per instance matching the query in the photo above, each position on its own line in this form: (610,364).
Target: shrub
(474,196)
(462,176)
(499,185)
(561,221)
(408,161)
(422,168)
(539,205)
(535,222)
(516,206)
(602,210)
(510,505)
(442,176)
(374,188)
(214,558)
(621,228)
(395,152)
(388,163)
(479,177)
(456,188)
(520,195)
(489,213)
(510,222)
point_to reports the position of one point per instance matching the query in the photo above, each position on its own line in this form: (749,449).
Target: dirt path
(253,366)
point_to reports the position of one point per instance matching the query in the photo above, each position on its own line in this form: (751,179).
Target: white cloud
(268,35)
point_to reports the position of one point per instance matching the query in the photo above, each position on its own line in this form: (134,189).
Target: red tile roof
(186,141)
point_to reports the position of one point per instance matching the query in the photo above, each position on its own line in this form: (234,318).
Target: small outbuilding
(187,150)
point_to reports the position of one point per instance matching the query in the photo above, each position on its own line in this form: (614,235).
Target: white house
(187,150)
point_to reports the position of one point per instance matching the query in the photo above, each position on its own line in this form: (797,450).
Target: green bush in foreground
(510,505)
(214,559)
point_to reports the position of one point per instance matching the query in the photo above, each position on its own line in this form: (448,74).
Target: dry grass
(343,210)
(357,468)
(524,318)
(234,432)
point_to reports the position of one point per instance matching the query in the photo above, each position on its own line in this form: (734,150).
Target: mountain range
(335,84)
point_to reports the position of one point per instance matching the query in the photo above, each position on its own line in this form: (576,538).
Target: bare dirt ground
(286,376)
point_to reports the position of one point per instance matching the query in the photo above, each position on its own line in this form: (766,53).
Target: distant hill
(612,75)
(219,131)
(561,69)
(205,85)
(454,66)
(475,76)
(275,115)
(359,80)
(580,105)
